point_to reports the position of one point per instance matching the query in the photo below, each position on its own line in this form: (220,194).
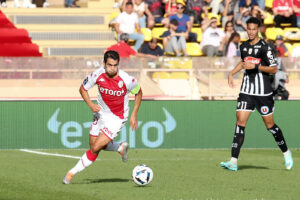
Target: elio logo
(71,131)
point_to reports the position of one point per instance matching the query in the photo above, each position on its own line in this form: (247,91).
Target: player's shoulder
(245,44)
(126,77)
(98,72)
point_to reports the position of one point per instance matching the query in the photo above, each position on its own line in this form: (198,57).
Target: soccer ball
(142,175)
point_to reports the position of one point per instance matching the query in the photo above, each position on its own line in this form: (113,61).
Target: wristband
(256,66)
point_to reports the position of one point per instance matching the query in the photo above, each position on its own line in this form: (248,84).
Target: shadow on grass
(108,180)
(242,167)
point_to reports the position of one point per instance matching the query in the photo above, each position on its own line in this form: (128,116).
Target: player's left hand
(248,65)
(133,122)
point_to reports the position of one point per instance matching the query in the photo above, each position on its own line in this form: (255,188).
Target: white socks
(86,160)
(233,160)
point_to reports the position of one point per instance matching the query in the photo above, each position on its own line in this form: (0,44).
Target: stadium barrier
(164,78)
(162,124)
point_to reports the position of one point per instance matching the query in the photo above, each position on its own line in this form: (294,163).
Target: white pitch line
(49,154)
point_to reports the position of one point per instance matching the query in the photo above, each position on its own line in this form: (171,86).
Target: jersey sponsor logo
(257,46)
(111,92)
(252,60)
(120,84)
(264,109)
(250,51)
(271,57)
(85,80)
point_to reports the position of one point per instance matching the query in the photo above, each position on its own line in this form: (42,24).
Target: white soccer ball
(142,175)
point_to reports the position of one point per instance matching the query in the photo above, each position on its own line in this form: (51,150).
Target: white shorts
(109,124)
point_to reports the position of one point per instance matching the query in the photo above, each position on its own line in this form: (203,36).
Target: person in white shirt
(212,39)
(232,47)
(127,22)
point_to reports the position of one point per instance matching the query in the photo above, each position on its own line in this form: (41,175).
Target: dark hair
(254,20)
(111,54)
(124,37)
(129,3)
(234,34)
(153,40)
(174,22)
(228,22)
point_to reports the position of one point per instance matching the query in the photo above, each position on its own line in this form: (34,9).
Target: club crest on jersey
(255,51)
(101,80)
(264,109)
(252,60)
(250,51)
(120,84)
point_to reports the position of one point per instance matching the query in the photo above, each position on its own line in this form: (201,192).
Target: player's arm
(86,97)
(137,102)
(235,70)
(267,69)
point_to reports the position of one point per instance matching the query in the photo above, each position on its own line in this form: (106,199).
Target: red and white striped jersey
(113,93)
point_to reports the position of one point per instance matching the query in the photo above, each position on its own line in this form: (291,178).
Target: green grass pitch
(178,175)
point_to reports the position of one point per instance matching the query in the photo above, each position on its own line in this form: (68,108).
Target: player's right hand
(230,81)
(95,108)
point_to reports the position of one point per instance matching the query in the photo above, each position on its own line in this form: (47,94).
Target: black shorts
(264,104)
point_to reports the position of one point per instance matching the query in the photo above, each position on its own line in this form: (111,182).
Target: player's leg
(279,138)
(265,105)
(244,109)
(121,148)
(89,157)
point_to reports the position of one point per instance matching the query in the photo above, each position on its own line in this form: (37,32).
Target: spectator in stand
(170,8)
(232,48)
(240,20)
(229,29)
(212,39)
(151,49)
(184,23)
(127,22)
(174,41)
(280,46)
(140,8)
(214,5)
(194,9)
(283,12)
(296,8)
(257,12)
(261,4)
(3,3)
(122,47)
(155,7)
(247,4)
(227,9)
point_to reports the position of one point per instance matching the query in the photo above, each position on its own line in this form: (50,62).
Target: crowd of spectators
(222,23)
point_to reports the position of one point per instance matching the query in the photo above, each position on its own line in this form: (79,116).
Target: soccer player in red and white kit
(111,112)
(258,62)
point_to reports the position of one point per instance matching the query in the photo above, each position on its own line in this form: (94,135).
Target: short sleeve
(90,81)
(268,56)
(132,83)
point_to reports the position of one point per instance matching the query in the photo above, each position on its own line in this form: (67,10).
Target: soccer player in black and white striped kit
(258,62)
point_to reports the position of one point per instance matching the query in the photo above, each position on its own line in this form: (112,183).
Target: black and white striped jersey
(256,82)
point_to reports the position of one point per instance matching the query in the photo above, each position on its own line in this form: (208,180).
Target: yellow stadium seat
(113,15)
(147,33)
(193,49)
(199,33)
(179,75)
(292,33)
(269,3)
(161,75)
(269,20)
(271,33)
(158,31)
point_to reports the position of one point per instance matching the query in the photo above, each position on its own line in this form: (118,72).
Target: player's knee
(240,122)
